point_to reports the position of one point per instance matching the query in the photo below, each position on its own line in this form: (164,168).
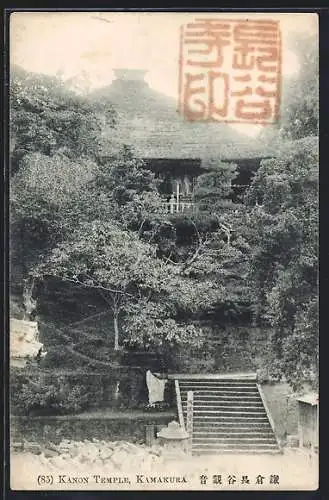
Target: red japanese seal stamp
(230,70)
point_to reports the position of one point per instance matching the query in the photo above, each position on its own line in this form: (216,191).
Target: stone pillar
(149,434)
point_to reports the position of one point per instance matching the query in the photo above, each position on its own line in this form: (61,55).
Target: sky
(87,46)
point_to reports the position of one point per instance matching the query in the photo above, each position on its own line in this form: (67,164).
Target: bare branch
(86,319)
(85,285)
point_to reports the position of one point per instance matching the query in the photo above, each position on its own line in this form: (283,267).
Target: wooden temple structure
(178,151)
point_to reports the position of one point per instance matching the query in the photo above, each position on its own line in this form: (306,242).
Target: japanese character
(213,34)
(216,479)
(259,479)
(203,479)
(258,110)
(274,479)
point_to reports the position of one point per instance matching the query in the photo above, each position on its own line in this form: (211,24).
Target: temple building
(177,150)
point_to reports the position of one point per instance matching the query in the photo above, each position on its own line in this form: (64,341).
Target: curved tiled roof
(149,122)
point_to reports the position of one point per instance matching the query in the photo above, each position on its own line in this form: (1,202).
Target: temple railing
(182,205)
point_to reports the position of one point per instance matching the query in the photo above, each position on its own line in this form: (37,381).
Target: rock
(44,461)
(17,446)
(129,447)
(148,462)
(74,451)
(98,463)
(157,450)
(51,446)
(134,463)
(115,444)
(106,454)
(48,453)
(119,458)
(59,462)
(33,448)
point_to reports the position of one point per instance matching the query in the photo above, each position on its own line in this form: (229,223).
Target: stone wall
(283,408)
(79,428)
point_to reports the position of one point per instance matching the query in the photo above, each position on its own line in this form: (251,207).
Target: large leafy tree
(47,117)
(56,138)
(284,241)
(134,282)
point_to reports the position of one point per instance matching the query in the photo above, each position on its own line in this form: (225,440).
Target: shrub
(29,396)
(34,397)
(76,400)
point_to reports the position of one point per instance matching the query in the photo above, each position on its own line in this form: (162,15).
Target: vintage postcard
(163,251)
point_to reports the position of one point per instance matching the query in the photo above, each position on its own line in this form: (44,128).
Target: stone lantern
(174,440)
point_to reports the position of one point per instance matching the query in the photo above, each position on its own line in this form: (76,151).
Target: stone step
(227,440)
(223,382)
(231,411)
(210,396)
(234,418)
(231,426)
(222,396)
(228,417)
(223,385)
(217,381)
(224,404)
(221,390)
(241,446)
(236,451)
(232,432)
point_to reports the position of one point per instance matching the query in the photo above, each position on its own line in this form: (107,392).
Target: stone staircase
(229,415)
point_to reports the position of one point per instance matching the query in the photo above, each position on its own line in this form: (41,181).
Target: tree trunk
(116,330)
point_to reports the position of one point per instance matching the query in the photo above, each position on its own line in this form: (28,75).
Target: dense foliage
(284,263)
(301,98)
(90,233)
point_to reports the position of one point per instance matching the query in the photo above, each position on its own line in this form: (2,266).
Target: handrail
(189,420)
(179,405)
(268,413)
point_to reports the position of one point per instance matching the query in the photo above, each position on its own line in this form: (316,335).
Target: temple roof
(149,122)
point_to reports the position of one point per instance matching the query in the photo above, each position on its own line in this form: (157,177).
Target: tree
(301,98)
(284,241)
(47,117)
(126,191)
(215,255)
(126,271)
(214,186)
(299,108)
(56,138)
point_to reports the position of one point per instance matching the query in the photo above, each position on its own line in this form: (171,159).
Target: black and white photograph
(163,253)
